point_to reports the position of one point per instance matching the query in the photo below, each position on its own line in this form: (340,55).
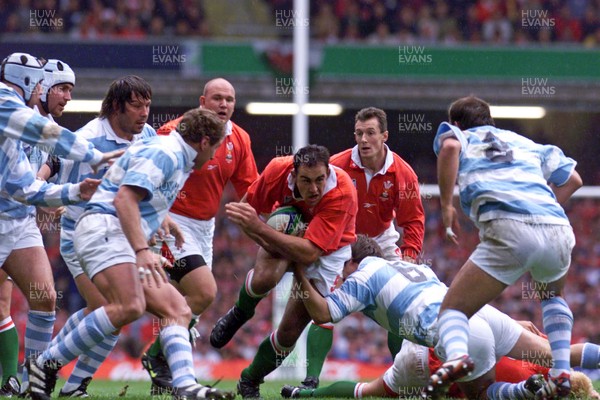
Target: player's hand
(150,267)
(450,221)
(242,214)
(87,188)
(108,158)
(530,326)
(170,227)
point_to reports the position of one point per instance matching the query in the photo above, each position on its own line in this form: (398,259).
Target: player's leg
(318,343)
(189,275)
(265,275)
(9,340)
(192,276)
(275,348)
(171,308)
(121,285)
(495,263)
(549,272)
(37,284)
(340,389)
(89,362)
(115,274)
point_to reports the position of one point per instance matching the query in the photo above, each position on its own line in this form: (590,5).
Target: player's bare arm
(447,170)
(315,304)
(127,205)
(295,249)
(564,192)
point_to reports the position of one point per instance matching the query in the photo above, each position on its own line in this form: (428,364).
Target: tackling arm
(315,304)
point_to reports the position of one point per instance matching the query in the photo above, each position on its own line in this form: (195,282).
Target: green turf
(140,390)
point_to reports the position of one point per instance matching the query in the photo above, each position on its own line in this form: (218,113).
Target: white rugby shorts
(198,235)
(18,234)
(100,243)
(328,269)
(509,248)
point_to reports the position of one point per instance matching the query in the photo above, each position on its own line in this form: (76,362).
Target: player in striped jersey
(123,114)
(512,189)
(20,75)
(411,369)
(111,240)
(388,192)
(21,239)
(406,301)
(194,211)
(56,92)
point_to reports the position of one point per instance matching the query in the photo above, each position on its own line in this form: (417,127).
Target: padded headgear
(55,73)
(22,70)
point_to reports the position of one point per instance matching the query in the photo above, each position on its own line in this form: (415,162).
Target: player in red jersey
(327,200)
(194,211)
(388,190)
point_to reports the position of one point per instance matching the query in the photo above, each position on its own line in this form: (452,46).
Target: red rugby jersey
(330,223)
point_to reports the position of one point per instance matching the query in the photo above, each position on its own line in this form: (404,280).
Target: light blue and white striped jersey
(98,132)
(505,175)
(37,155)
(20,186)
(17,121)
(404,299)
(160,165)
(9,206)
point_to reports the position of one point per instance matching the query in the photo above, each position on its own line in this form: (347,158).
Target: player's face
(310,182)
(220,98)
(370,139)
(131,121)
(206,151)
(58,97)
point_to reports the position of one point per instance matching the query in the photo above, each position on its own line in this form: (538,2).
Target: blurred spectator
(332,21)
(325,25)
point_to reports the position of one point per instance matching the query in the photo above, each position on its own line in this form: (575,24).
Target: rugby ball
(287,219)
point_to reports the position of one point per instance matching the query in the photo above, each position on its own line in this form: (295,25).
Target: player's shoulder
(92,129)
(169,126)
(277,169)
(401,166)
(341,159)
(239,131)
(342,176)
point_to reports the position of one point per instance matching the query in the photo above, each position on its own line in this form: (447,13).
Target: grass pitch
(136,390)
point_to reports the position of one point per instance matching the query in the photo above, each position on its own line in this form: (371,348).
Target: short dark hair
(199,122)
(365,247)
(121,91)
(310,156)
(372,112)
(470,112)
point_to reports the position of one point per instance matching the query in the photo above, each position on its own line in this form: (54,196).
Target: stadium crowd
(332,21)
(234,255)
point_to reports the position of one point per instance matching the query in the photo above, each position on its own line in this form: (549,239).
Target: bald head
(219,96)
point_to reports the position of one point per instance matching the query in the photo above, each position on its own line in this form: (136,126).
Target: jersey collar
(389,160)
